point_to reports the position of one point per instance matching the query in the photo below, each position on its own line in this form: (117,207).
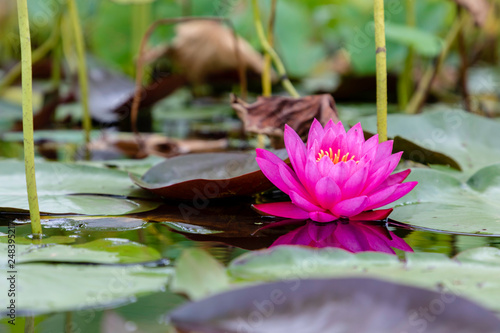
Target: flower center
(335,158)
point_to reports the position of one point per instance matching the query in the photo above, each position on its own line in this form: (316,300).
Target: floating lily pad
(65,188)
(43,286)
(198,274)
(206,176)
(101,251)
(334,306)
(472,274)
(469,139)
(441,201)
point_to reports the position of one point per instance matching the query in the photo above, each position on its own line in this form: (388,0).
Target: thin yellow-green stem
(140,23)
(420,94)
(82,68)
(280,68)
(405,86)
(266,72)
(27,92)
(381,71)
(36,56)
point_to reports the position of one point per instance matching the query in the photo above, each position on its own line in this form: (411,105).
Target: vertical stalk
(140,23)
(274,56)
(27,92)
(381,64)
(405,80)
(266,72)
(82,68)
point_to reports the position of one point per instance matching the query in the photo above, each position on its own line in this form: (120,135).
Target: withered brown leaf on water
(268,115)
(202,48)
(477,8)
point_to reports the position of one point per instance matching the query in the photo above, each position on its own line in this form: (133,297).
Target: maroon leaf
(206,176)
(360,305)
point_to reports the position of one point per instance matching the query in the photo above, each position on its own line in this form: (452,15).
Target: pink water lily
(337,175)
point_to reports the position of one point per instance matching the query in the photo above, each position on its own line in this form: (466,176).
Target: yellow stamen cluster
(336,158)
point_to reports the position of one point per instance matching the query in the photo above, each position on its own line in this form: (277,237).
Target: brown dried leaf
(268,115)
(204,48)
(477,8)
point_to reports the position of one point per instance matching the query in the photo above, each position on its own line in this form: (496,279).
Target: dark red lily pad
(206,176)
(360,305)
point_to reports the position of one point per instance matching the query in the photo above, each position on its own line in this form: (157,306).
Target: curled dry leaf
(477,8)
(204,48)
(154,144)
(268,115)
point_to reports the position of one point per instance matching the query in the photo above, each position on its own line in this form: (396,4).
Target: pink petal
(312,174)
(324,166)
(296,151)
(339,173)
(370,144)
(290,179)
(374,215)
(327,140)
(271,171)
(267,155)
(383,170)
(282,209)
(402,190)
(384,150)
(322,216)
(316,132)
(350,207)
(303,203)
(396,178)
(356,183)
(355,140)
(327,193)
(376,198)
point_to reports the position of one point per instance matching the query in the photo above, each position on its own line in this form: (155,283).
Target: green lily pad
(198,274)
(101,251)
(469,139)
(45,288)
(65,188)
(471,274)
(443,202)
(42,286)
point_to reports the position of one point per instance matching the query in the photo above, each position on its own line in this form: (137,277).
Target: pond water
(225,229)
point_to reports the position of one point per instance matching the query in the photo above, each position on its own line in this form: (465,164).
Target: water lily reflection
(353,236)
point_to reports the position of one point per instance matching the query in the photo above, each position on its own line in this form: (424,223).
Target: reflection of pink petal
(284,209)
(350,236)
(319,233)
(351,239)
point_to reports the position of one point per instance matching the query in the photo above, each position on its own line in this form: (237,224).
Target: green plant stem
(82,68)
(266,72)
(381,72)
(280,68)
(27,92)
(424,85)
(405,85)
(140,23)
(36,56)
